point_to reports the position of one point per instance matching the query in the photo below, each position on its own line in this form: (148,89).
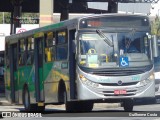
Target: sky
(130,7)
(156,10)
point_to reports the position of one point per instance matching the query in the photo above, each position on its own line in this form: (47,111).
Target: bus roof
(61,24)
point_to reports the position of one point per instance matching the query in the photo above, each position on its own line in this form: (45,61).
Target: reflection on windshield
(137,43)
(94,51)
(102,35)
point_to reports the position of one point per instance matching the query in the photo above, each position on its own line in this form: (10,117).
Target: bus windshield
(95,52)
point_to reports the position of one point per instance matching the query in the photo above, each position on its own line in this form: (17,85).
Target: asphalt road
(100,112)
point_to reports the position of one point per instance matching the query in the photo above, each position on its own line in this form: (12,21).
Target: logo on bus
(124,62)
(119,82)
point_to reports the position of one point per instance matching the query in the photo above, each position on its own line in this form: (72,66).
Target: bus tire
(85,106)
(27,105)
(128,105)
(26,101)
(77,106)
(40,108)
(68,105)
(61,92)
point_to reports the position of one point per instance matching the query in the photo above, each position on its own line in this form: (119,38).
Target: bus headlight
(147,80)
(88,82)
(151,77)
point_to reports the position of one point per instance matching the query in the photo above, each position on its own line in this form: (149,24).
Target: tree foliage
(155,26)
(5,17)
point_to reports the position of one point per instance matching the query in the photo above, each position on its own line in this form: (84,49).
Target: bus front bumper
(108,92)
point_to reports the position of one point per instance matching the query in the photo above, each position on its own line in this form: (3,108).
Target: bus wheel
(68,105)
(89,106)
(40,108)
(28,106)
(26,101)
(128,105)
(85,106)
(77,106)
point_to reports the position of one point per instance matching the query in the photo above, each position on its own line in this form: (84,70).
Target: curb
(96,105)
(4,102)
(107,105)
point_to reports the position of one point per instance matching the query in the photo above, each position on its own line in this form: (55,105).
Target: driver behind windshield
(129,46)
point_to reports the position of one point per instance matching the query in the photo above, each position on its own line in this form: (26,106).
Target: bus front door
(13,73)
(72,65)
(38,61)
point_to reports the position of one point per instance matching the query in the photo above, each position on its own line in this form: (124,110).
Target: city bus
(82,61)
(157,72)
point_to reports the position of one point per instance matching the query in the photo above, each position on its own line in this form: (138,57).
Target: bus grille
(115,84)
(118,73)
(121,72)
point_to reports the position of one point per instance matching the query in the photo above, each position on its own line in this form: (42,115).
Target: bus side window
(50,47)
(62,37)
(30,49)
(61,48)
(62,52)
(7,55)
(22,52)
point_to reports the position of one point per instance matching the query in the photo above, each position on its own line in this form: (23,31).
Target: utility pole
(16,13)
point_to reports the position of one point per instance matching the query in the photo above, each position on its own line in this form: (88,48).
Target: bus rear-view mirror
(155,46)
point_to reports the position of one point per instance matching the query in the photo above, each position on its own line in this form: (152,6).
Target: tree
(25,16)
(155,27)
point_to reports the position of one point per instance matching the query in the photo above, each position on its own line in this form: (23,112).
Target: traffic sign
(20,30)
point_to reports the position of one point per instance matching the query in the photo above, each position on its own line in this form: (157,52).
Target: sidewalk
(96,106)
(3,101)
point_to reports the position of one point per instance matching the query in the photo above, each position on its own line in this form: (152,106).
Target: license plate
(120,92)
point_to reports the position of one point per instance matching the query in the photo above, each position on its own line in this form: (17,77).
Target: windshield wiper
(105,38)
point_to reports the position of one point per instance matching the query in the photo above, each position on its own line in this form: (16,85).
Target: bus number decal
(64,65)
(136,78)
(104,80)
